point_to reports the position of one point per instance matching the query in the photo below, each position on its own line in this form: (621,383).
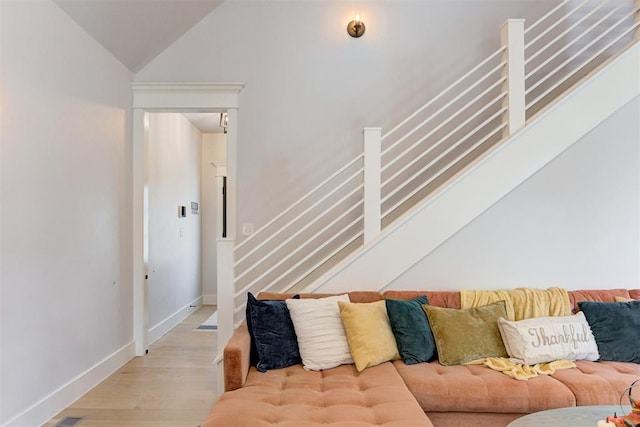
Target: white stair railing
(408,163)
(416,156)
(556,60)
(324,224)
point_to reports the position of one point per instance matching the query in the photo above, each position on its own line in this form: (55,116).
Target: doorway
(177,98)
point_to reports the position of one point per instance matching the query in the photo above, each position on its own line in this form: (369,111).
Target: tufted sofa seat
(396,394)
(335,397)
(598,383)
(441,389)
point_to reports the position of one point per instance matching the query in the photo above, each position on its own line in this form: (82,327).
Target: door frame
(174,98)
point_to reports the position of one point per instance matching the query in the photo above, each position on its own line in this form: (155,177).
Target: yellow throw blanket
(522,303)
(520,371)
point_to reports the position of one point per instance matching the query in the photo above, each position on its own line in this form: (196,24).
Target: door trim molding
(179,98)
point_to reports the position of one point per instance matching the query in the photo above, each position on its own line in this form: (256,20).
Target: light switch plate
(248,229)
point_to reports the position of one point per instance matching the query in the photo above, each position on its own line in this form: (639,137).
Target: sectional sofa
(394,393)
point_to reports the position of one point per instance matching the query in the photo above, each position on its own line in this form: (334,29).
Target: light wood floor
(173,386)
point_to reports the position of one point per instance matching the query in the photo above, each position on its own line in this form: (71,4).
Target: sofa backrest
(446,299)
(451,299)
(600,295)
(355,296)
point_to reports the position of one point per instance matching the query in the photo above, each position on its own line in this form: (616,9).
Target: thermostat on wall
(194,208)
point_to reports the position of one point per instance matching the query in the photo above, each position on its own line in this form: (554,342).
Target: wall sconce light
(224,121)
(356,27)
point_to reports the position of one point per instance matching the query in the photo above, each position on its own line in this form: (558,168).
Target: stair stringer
(508,165)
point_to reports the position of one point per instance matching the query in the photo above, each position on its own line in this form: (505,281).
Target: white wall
(214,150)
(574,224)
(65,313)
(174,168)
(310,88)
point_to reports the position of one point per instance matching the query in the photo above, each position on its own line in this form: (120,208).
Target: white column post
(224,250)
(512,36)
(372,216)
(225,293)
(221,173)
(140,252)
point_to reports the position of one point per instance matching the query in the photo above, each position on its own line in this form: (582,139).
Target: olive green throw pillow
(466,335)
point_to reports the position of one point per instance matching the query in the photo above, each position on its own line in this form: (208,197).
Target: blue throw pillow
(411,329)
(616,328)
(272,335)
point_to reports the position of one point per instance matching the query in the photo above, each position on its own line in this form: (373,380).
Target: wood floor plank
(173,386)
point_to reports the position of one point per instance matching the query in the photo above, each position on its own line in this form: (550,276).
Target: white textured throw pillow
(322,340)
(544,339)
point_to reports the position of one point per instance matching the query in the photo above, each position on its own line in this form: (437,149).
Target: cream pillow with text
(545,339)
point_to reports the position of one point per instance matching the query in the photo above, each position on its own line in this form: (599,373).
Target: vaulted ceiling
(136,31)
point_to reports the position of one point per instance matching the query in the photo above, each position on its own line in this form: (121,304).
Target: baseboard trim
(210,299)
(45,409)
(175,319)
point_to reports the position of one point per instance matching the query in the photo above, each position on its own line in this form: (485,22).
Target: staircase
(420,182)
(490,178)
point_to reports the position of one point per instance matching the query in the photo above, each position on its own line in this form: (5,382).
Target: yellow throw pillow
(466,335)
(371,340)
(623,299)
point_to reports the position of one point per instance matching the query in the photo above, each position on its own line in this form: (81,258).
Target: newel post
(225,294)
(372,216)
(512,37)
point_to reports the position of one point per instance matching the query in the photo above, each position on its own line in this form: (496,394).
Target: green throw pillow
(616,328)
(411,329)
(465,335)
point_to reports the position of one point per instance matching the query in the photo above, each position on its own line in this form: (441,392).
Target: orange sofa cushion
(475,388)
(335,397)
(598,383)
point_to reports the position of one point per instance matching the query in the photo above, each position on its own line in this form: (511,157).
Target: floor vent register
(69,421)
